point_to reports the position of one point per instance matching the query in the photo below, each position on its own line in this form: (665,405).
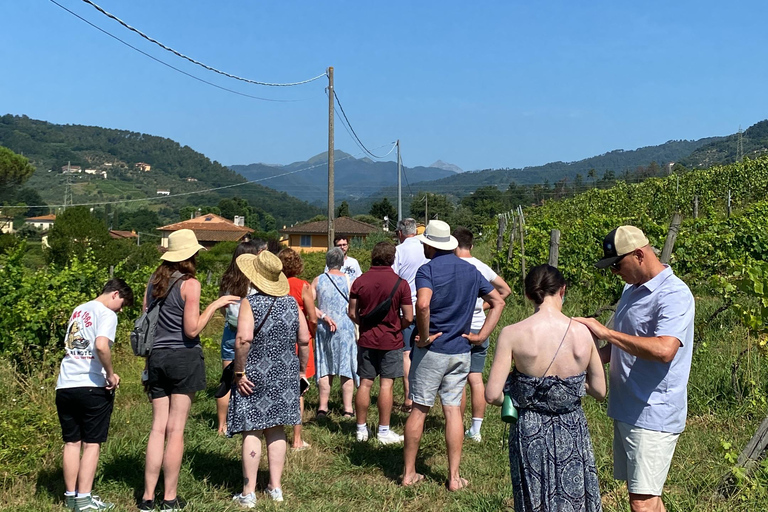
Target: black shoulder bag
(377,314)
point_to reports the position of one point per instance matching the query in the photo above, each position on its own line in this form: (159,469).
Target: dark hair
(543,281)
(464,236)
(121,287)
(233,281)
(383,255)
(162,275)
(292,262)
(340,237)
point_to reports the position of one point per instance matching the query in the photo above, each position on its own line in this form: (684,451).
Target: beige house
(209,229)
(143,166)
(313,236)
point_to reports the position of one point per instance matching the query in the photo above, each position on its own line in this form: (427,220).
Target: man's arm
(406,315)
(352,311)
(501,286)
(491,319)
(105,357)
(423,298)
(661,349)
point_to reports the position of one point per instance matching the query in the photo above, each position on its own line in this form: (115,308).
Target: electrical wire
(354,139)
(359,142)
(169,65)
(196,62)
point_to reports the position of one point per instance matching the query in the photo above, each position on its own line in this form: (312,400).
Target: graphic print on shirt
(77,345)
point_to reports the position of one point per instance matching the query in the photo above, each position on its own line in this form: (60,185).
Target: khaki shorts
(433,373)
(642,457)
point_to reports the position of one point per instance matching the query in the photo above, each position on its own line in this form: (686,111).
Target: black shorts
(372,362)
(175,371)
(84,413)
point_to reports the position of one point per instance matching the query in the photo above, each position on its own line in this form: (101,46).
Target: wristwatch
(322,317)
(239,374)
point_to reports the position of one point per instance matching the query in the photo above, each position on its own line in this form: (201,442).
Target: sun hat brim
(182,254)
(247,265)
(444,245)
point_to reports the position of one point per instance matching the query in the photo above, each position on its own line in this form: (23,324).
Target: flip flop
(304,446)
(464,485)
(416,479)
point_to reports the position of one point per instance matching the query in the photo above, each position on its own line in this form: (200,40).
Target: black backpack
(377,314)
(143,333)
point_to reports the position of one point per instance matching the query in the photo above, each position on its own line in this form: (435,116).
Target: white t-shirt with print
(351,267)
(81,366)
(478,317)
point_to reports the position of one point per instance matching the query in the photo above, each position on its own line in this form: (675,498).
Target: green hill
(173,167)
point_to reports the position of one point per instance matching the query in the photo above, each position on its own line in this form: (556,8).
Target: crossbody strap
(558,348)
(335,286)
(159,301)
(256,331)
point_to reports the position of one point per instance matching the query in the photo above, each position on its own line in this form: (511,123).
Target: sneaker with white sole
(91,504)
(245,500)
(363,435)
(391,437)
(276,494)
(474,437)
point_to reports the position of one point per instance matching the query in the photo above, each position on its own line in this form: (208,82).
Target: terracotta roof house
(119,235)
(43,222)
(313,236)
(209,230)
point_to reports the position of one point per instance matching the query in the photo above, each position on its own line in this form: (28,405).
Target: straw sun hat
(265,271)
(182,245)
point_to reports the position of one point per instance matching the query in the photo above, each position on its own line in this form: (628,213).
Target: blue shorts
(479,353)
(228,344)
(408,334)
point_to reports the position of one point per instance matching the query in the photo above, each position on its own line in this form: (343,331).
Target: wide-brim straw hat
(438,235)
(182,245)
(265,271)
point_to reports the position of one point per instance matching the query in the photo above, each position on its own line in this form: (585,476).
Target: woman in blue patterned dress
(335,340)
(265,394)
(555,362)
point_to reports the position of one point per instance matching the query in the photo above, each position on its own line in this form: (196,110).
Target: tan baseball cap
(620,242)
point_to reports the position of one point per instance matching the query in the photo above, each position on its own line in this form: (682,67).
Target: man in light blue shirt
(650,350)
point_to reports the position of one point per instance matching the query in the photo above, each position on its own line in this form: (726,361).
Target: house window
(306,241)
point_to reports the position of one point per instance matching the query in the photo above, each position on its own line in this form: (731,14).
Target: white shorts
(642,457)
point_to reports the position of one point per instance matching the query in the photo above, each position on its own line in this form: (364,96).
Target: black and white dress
(273,368)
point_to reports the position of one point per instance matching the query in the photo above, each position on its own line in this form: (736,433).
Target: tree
(342,210)
(485,202)
(14,169)
(383,209)
(142,219)
(73,233)
(438,206)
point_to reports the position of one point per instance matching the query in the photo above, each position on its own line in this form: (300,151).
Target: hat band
(437,238)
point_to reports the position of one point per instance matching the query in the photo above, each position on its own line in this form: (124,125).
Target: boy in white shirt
(85,391)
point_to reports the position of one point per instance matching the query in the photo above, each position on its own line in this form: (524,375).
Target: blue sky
(479,85)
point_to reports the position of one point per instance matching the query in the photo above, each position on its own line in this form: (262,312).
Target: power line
(193,61)
(354,139)
(166,64)
(360,143)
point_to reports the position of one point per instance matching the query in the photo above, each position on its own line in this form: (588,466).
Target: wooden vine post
(522,245)
(669,243)
(512,233)
(502,228)
(554,247)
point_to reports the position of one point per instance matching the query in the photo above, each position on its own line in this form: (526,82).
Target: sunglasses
(616,265)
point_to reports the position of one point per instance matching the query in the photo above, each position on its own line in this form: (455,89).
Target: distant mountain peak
(447,167)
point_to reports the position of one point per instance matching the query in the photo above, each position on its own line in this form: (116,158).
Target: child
(85,391)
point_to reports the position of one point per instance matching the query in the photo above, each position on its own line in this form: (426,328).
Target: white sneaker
(245,501)
(474,437)
(276,494)
(363,435)
(391,437)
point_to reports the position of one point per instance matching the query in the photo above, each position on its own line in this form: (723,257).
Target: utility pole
(426,209)
(399,185)
(739,147)
(330,157)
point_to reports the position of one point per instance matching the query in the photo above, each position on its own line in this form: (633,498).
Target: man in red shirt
(376,302)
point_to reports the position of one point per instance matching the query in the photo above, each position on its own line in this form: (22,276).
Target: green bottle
(508,410)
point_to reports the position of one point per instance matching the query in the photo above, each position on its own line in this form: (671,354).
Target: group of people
(424,311)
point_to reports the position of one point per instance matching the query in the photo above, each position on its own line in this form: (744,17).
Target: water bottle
(508,410)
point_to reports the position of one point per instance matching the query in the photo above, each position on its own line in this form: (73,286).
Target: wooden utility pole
(554,247)
(695,207)
(331,100)
(399,185)
(426,209)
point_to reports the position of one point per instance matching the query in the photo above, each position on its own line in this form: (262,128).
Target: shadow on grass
(389,459)
(50,483)
(128,469)
(223,471)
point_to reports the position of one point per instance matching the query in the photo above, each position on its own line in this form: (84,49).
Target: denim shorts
(228,344)
(479,352)
(433,373)
(408,334)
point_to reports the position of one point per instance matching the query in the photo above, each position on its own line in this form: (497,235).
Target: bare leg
(71,463)
(275,437)
(251,458)
(407,402)
(155,445)
(222,404)
(454,439)
(174,449)
(88,464)
(347,394)
(646,503)
(385,400)
(363,400)
(324,389)
(478,395)
(298,442)
(414,428)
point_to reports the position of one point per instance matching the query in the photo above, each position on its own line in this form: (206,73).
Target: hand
(431,338)
(113,381)
(244,386)
(599,331)
(330,322)
(227,300)
(473,338)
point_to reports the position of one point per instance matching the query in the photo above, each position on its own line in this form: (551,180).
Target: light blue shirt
(649,394)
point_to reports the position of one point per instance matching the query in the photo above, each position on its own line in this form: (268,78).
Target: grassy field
(338,474)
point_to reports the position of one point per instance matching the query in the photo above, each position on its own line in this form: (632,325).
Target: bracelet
(322,317)
(239,374)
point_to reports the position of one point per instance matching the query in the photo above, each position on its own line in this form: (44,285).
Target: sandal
(321,414)
(348,414)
